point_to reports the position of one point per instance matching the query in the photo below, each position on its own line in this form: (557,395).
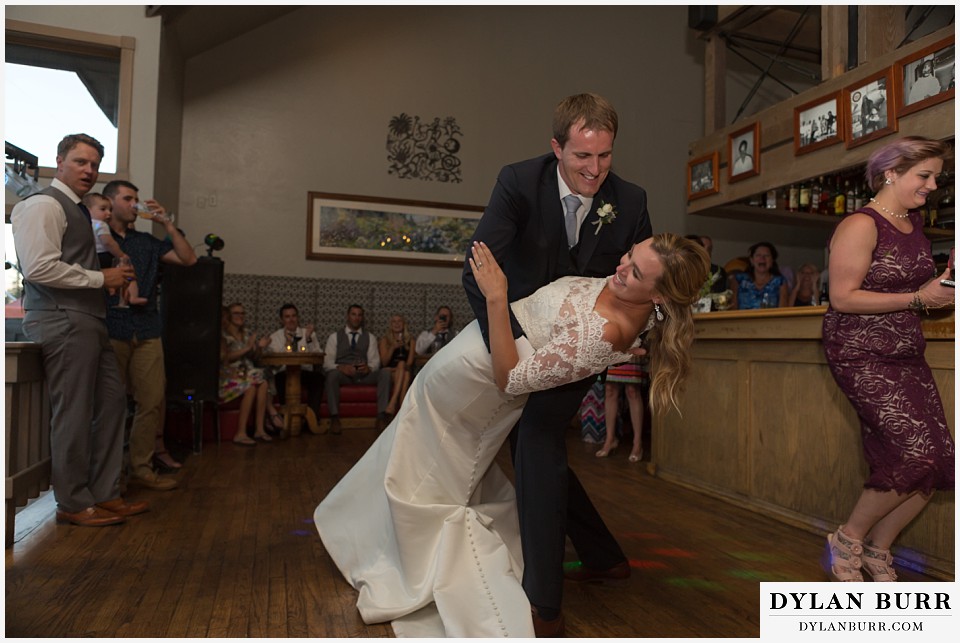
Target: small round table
(294,412)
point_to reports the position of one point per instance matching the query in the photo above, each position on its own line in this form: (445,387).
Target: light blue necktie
(572,203)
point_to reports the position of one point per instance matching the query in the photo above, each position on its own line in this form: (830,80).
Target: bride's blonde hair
(686,266)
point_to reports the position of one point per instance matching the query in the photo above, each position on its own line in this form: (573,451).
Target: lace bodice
(566,333)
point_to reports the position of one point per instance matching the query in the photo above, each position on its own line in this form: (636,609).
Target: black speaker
(190,304)
(702,17)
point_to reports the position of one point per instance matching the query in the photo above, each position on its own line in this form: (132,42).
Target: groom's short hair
(593,110)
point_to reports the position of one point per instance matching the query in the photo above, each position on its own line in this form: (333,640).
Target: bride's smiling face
(637,275)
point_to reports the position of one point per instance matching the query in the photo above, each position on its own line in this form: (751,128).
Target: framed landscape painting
(344,227)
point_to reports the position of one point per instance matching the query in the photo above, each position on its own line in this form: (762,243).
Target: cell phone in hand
(948,283)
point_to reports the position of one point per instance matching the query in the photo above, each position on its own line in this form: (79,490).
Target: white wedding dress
(425,525)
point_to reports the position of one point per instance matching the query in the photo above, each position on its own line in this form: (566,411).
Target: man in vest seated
(352,357)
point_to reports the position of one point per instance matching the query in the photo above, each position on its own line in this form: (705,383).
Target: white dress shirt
(278,344)
(38,226)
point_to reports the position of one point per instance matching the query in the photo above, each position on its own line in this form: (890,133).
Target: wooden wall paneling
(715,84)
(880,28)
(798,453)
(834,43)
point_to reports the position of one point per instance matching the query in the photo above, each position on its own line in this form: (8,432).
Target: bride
(425,525)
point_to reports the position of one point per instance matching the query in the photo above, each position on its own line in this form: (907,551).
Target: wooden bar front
(765,426)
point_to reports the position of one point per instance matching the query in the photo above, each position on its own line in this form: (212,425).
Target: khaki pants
(141,366)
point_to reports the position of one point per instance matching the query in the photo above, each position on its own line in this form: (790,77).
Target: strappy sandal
(879,564)
(842,558)
(602,453)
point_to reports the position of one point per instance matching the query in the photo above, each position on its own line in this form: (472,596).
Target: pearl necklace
(895,216)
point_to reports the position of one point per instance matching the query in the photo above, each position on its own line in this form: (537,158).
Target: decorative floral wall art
(422,150)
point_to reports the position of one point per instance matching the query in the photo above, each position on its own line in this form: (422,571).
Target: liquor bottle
(826,198)
(804,203)
(945,207)
(839,200)
(815,191)
(851,196)
(771,199)
(793,199)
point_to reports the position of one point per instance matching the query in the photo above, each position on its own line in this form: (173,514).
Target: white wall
(302,104)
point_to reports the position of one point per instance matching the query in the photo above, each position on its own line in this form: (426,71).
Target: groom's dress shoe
(547,629)
(620,571)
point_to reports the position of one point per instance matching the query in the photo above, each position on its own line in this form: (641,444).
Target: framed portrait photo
(817,124)
(925,77)
(743,153)
(868,109)
(703,176)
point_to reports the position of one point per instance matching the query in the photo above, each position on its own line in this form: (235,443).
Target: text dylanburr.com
(849,611)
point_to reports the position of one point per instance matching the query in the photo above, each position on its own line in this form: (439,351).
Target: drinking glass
(144,212)
(122,293)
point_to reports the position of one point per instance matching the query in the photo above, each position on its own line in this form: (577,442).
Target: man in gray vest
(65,310)
(352,357)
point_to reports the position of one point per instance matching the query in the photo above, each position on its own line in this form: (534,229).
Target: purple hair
(900,156)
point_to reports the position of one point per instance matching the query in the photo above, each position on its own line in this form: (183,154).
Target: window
(61,81)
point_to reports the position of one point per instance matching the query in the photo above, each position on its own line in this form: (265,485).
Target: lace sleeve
(576,350)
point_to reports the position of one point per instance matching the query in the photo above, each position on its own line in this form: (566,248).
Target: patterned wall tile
(325,301)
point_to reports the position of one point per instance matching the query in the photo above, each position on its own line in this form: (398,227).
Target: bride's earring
(658,312)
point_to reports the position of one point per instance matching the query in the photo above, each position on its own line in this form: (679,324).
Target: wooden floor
(233,552)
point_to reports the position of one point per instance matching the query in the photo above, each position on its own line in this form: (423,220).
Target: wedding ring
(479,264)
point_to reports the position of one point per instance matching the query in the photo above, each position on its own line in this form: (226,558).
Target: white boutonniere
(606,213)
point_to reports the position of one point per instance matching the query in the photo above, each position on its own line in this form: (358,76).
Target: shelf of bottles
(821,201)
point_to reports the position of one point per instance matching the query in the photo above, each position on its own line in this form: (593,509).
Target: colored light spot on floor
(307,521)
(673,553)
(300,532)
(694,583)
(571,565)
(755,556)
(761,575)
(648,564)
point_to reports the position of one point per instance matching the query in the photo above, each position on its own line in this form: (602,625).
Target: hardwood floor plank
(233,552)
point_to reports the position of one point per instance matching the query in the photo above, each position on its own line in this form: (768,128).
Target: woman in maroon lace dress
(882,276)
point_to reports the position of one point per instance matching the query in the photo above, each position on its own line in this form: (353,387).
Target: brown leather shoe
(335,426)
(90,517)
(155,482)
(381,422)
(123,508)
(620,571)
(547,629)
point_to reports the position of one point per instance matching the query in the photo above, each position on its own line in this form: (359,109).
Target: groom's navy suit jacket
(523,225)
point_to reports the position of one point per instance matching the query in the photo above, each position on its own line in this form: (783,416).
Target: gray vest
(347,355)
(76,247)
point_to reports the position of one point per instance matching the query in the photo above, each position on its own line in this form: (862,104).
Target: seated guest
(352,357)
(299,339)
(807,290)
(396,356)
(435,338)
(238,375)
(761,285)
(717,281)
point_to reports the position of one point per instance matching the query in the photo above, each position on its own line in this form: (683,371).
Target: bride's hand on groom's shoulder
(490,278)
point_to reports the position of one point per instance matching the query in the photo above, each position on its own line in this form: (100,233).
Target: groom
(543,222)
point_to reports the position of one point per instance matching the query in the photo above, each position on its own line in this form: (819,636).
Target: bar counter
(765,426)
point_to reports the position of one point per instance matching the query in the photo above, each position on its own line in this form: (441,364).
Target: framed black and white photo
(817,124)
(702,176)
(925,77)
(743,153)
(868,110)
